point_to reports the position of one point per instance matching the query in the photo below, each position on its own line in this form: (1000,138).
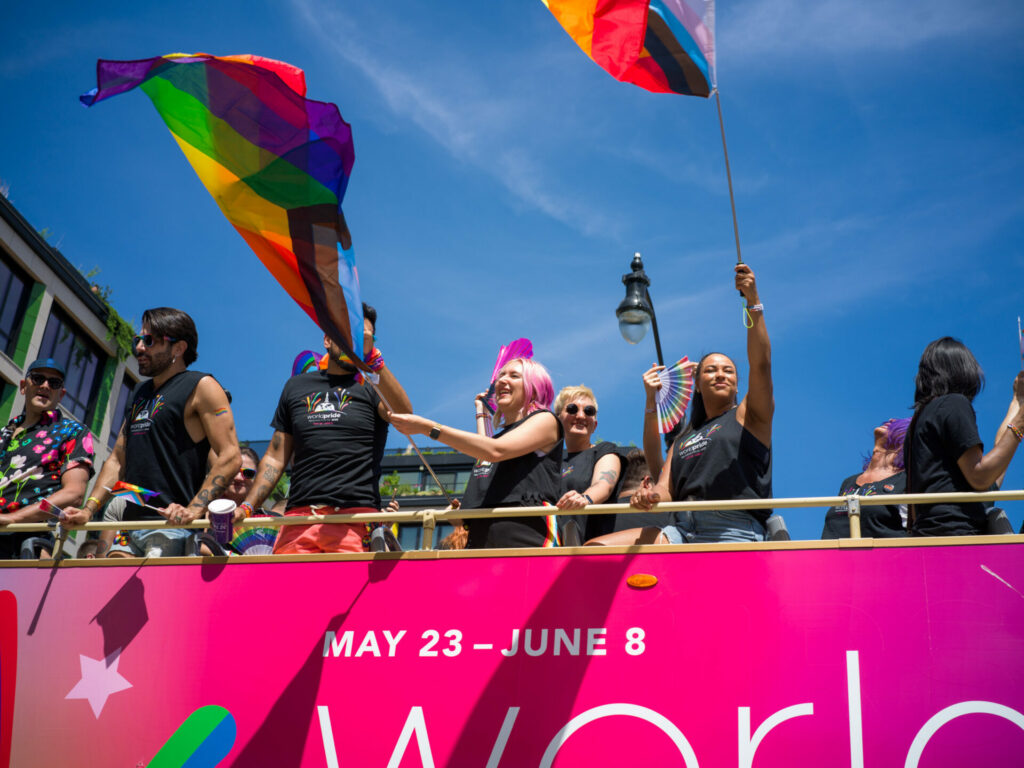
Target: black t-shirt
(722,460)
(160,455)
(338,440)
(529,480)
(945,428)
(875,522)
(578,475)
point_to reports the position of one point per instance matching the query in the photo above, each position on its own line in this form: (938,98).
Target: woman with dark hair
(943,449)
(725,450)
(882,473)
(519,467)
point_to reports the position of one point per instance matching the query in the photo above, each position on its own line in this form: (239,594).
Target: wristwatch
(435,432)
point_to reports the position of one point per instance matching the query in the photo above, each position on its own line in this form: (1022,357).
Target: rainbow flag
(135,493)
(276,162)
(665,46)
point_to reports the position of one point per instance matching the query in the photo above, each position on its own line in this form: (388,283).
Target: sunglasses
(588,410)
(55,382)
(248,474)
(148,340)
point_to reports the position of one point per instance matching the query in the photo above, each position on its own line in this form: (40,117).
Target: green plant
(119,330)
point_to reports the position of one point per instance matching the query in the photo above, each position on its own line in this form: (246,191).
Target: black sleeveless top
(577,474)
(529,480)
(722,460)
(160,455)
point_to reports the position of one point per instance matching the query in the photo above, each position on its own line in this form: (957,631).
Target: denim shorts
(714,526)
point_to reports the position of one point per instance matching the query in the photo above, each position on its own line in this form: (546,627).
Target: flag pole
(748,321)
(1020,340)
(426,464)
(728,176)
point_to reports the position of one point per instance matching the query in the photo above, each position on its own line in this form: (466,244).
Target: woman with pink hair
(519,467)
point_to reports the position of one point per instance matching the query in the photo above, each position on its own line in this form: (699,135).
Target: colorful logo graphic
(202,741)
(335,401)
(145,410)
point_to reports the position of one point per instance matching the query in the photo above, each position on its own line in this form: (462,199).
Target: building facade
(48,309)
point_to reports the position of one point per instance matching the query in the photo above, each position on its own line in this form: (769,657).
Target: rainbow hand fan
(254,541)
(675,393)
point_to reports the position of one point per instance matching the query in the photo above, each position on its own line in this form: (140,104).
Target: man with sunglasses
(177,440)
(332,427)
(43,455)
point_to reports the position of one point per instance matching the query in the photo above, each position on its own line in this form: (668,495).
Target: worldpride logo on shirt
(327,407)
(143,412)
(696,445)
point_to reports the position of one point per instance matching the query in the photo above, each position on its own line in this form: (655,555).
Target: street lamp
(636,311)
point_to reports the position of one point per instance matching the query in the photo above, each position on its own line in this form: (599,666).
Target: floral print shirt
(31,464)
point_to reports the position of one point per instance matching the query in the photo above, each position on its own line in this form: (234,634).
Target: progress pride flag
(899,656)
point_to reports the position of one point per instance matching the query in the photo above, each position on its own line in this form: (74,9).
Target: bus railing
(428,518)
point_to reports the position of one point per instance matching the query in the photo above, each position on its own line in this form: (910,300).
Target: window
(81,358)
(14,294)
(117,419)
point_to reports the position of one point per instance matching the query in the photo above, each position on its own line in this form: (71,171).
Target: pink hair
(537,386)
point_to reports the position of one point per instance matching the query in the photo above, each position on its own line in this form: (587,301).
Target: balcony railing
(428,518)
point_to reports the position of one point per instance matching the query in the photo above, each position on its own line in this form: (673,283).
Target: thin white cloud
(457,110)
(796,27)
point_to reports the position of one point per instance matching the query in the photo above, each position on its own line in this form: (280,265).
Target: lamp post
(636,311)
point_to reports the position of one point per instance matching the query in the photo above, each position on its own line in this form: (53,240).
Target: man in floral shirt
(43,455)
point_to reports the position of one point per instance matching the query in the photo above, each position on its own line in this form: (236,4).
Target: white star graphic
(100,678)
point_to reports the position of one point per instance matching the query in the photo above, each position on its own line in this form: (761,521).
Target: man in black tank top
(332,429)
(176,423)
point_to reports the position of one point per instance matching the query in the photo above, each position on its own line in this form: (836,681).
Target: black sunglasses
(55,382)
(148,340)
(588,410)
(248,474)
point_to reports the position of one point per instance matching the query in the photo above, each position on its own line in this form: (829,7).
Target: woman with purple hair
(882,473)
(520,466)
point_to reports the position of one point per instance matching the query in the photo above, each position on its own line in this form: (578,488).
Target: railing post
(428,530)
(853,513)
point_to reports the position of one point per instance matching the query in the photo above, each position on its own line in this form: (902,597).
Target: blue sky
(503,181)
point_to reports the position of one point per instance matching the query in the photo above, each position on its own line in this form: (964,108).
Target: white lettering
(327,735)
(596,638)
(853,702)
(951,713)
(748,744)
(333,645)
(393,640)
(628,710)
(369,645)
(513,648)
(527,646)
(413,723)
(502,740)
(562,639)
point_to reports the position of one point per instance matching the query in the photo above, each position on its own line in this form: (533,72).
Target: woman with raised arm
(725,450)
(519,467)
(943,449)
(590,473)
(882,473)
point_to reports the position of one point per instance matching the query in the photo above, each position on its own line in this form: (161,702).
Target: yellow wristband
(94,500)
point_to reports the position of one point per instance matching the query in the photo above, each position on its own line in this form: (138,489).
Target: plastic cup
(221,512)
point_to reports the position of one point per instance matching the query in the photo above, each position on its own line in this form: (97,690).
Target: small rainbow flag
(665,46)
(276,163)
(135,493)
